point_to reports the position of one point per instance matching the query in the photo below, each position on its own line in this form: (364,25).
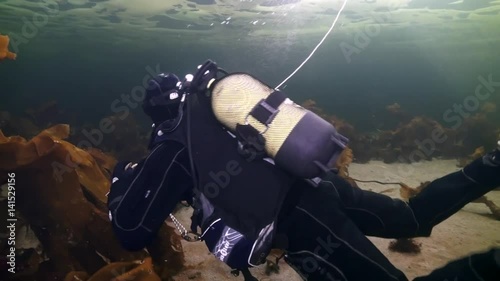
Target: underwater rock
(4,48)
(61,191)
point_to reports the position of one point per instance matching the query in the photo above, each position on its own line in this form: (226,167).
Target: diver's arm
(142,195)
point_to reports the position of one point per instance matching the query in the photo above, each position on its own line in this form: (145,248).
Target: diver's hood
(162,98)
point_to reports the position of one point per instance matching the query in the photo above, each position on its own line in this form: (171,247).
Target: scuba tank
(268,123)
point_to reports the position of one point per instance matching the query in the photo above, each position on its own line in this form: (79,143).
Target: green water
(425,55)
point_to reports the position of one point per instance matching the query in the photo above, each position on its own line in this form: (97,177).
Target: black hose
(194,175)
(379,182)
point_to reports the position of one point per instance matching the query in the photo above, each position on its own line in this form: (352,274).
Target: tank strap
(267,108)
(252,145)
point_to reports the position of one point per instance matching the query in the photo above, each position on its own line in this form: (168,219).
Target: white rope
(317,46)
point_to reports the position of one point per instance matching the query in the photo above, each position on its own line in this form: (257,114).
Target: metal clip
(260,133)
(191,237)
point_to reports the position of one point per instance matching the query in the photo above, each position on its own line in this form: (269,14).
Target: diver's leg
(324,244)
(373,213)
(445,196)
(480,267)
(380,215)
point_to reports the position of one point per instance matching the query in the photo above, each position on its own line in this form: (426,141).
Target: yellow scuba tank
(296,139)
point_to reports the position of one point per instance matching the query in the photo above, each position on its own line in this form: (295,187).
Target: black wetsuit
(322,229)
(325,227)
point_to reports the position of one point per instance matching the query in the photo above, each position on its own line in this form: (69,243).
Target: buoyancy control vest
(237,201)
(247,194)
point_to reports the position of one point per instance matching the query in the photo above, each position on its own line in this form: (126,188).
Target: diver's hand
(485,170)
(122,175)
(496,155)
(493,158)
(122,169)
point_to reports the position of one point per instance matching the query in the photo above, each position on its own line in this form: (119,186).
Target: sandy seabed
(472,229)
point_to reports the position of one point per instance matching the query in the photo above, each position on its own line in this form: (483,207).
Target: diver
(320,224)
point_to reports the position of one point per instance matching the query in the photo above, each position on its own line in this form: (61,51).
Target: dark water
(425,55)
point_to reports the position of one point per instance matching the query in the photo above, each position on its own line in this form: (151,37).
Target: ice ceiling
(253,16)
(465,25)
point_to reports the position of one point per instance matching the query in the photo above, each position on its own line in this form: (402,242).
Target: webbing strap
(267,108)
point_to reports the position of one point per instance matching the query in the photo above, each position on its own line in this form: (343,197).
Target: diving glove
(485,170)
(495,158)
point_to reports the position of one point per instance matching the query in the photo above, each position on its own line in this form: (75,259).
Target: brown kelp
(61,192)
